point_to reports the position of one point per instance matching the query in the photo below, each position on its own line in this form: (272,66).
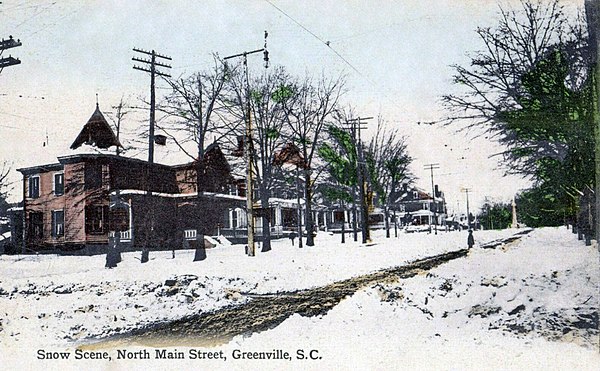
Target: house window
(415,195)
(59,184)
(58,223)
(96,219)
(34,186)
(93,175)
(425,206)
(36,225)
(234,219)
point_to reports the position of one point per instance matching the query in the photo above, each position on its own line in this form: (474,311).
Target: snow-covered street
(530,303)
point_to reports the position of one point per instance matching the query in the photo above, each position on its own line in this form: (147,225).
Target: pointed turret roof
(96,132)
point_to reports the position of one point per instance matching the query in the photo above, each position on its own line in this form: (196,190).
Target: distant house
(76,202)
(417,207)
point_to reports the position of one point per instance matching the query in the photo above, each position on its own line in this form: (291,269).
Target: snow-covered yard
(530,302)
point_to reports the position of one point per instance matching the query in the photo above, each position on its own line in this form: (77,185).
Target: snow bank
(511,303)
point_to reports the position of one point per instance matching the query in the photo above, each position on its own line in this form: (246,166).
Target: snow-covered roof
(96,132)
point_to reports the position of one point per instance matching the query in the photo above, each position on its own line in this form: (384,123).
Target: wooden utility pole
(467,190)
(430,167)
(152,64)
(249,146)
(356,126)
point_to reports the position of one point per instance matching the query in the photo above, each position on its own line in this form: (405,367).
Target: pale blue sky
(401,49)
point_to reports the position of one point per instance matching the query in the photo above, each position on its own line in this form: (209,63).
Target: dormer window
(34,186)
(59,184)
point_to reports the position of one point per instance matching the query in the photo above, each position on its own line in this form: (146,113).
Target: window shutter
(53,224)
(88,219)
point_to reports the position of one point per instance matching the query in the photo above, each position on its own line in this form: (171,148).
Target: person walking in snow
(470,239)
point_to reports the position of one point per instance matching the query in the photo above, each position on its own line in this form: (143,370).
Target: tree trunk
(200,253)
(343,223)
(299,211)
(309,221)
(266,224)
(395,224)
(386,215)
(113,256)
(354,215)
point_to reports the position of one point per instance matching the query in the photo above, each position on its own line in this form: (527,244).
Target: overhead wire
(326,43)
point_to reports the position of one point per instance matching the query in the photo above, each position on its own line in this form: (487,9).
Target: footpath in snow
(537,296)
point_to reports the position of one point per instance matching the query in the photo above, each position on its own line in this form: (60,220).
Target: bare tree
(270,93)
(196,109)
(193,111)
(313,102)
(388,160)
(121,110)
(4,186)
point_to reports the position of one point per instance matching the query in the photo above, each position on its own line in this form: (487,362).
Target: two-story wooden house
(75,203)
(415,206)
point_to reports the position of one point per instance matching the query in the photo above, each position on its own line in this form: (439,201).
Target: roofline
(40,168)
(177,166)
(70,158)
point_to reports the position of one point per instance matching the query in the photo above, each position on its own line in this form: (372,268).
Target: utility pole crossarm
(152,53)
(359,119)
(10,60)
(150,71)
(244,54)
(150,62)
(10,43)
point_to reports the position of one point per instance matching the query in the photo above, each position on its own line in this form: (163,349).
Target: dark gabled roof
(290,154)
(96,132)
(210,152)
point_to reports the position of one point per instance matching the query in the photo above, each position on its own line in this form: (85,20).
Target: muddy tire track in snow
(265,312)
